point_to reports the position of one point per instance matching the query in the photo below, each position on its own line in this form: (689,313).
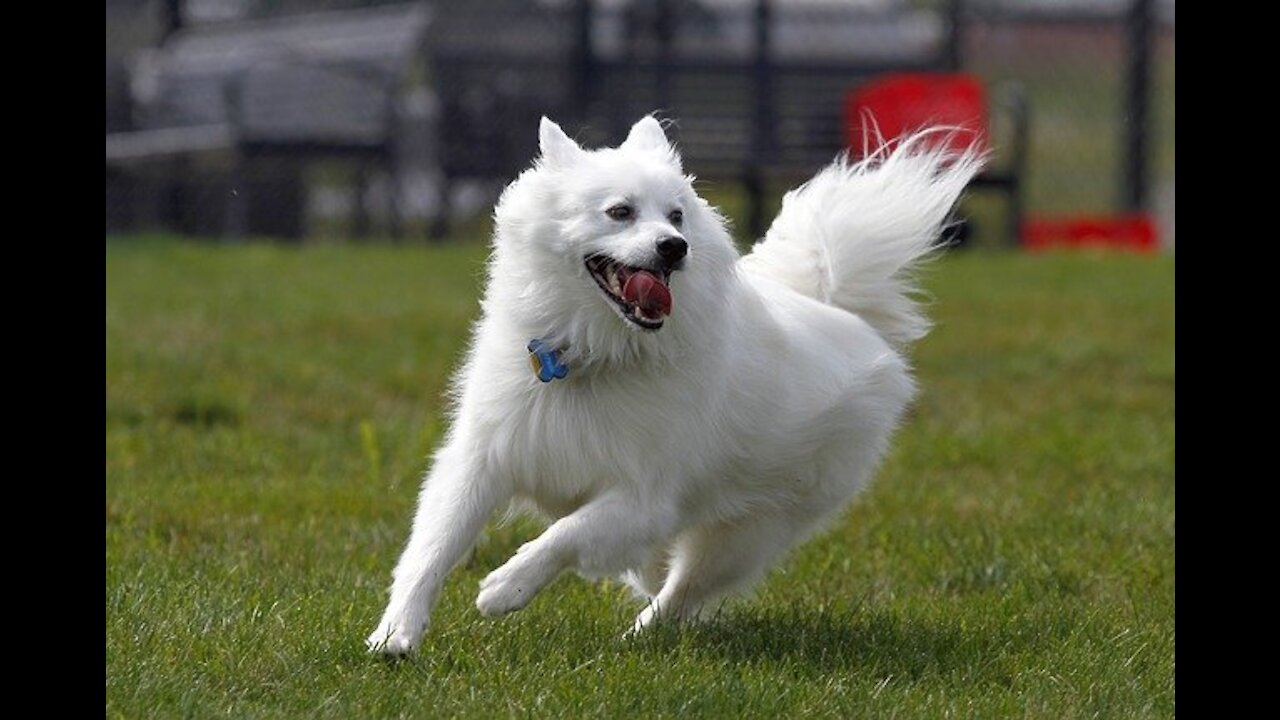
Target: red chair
(897,104)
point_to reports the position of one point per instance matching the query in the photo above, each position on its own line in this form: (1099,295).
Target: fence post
(583,60)
(172,17)
(664,30)
(235,219)
(762,136)
(1138,93)
(391,153)
(955,35)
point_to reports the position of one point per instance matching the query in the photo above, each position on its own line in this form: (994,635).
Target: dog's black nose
(672,249)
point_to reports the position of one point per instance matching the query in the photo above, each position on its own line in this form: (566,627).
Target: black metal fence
(755,88)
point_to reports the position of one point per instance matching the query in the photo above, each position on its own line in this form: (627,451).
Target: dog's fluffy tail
(852,236)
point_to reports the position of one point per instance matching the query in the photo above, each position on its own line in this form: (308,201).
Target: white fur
(850,236)
(690,459)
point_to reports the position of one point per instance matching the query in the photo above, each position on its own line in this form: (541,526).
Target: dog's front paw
(502,592)
(392,640)
(512,586)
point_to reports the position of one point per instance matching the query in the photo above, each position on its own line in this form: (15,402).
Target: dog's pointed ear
(557,148)
(647,135)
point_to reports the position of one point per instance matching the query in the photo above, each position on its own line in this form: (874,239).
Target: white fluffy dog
(691,414)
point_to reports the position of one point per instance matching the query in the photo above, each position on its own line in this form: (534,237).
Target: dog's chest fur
(566,442)
(586,434)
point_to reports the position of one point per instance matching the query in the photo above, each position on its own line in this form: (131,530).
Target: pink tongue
(645,289)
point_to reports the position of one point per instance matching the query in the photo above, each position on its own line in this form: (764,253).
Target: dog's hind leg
(714,562)
(602,538)
(646,580)
(456,500)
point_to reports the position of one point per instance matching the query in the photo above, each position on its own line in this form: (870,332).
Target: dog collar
(545,361)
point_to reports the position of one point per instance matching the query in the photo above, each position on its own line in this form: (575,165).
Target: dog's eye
(620,212)
(676,217)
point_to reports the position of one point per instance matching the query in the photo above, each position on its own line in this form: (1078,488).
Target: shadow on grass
(833,641)
(201,412)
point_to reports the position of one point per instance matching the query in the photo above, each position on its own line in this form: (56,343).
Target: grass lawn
(270,410)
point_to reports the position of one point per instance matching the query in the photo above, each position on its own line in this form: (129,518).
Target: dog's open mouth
(641,294)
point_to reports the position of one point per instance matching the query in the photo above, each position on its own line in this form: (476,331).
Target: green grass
(270,410)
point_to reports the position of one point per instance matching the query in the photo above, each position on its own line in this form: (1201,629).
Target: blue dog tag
(546,361)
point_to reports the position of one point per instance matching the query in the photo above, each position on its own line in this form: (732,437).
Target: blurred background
(353,120)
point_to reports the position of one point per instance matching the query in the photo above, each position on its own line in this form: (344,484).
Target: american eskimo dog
(682,414)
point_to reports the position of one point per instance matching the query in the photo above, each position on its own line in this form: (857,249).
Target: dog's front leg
(604,537)
(456,499)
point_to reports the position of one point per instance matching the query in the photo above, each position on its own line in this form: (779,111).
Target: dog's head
(610,252)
